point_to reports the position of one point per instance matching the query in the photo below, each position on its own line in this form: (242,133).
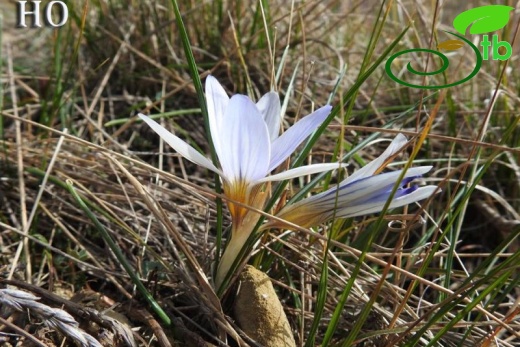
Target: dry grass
(161,210)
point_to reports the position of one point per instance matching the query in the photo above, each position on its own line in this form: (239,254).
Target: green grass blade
(194,72)
(321,298)
(120,256)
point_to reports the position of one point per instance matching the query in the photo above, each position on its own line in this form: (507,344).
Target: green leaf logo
(483,19)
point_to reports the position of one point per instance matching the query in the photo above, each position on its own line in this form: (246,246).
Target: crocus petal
(217,101)
(179,145)
(285,145)
(303,170)
(364,196)
(368,170)
(245,146)
(383,193)
(367,186)
(269,107)
(377,206)
(359,191)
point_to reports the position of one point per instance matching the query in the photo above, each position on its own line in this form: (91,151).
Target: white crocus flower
(245,136)
(248,147)
(364,192)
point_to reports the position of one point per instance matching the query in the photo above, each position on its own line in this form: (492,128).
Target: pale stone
(259,312)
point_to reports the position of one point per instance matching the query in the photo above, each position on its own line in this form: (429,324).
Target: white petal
(245,142)
(269,107)
(368,170)
(179,145)
(303,170)
(217,101)
(358,210)
(285,145)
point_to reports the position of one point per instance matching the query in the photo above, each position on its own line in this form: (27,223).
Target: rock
(259,312)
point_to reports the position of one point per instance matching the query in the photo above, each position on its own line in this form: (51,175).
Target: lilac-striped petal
(383,194)
(179,145)
(363,189)
(367,186)
(245,142)
(303,170)
(368,170)
(217,101)
(269,107)
(286,144)
(374,207)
